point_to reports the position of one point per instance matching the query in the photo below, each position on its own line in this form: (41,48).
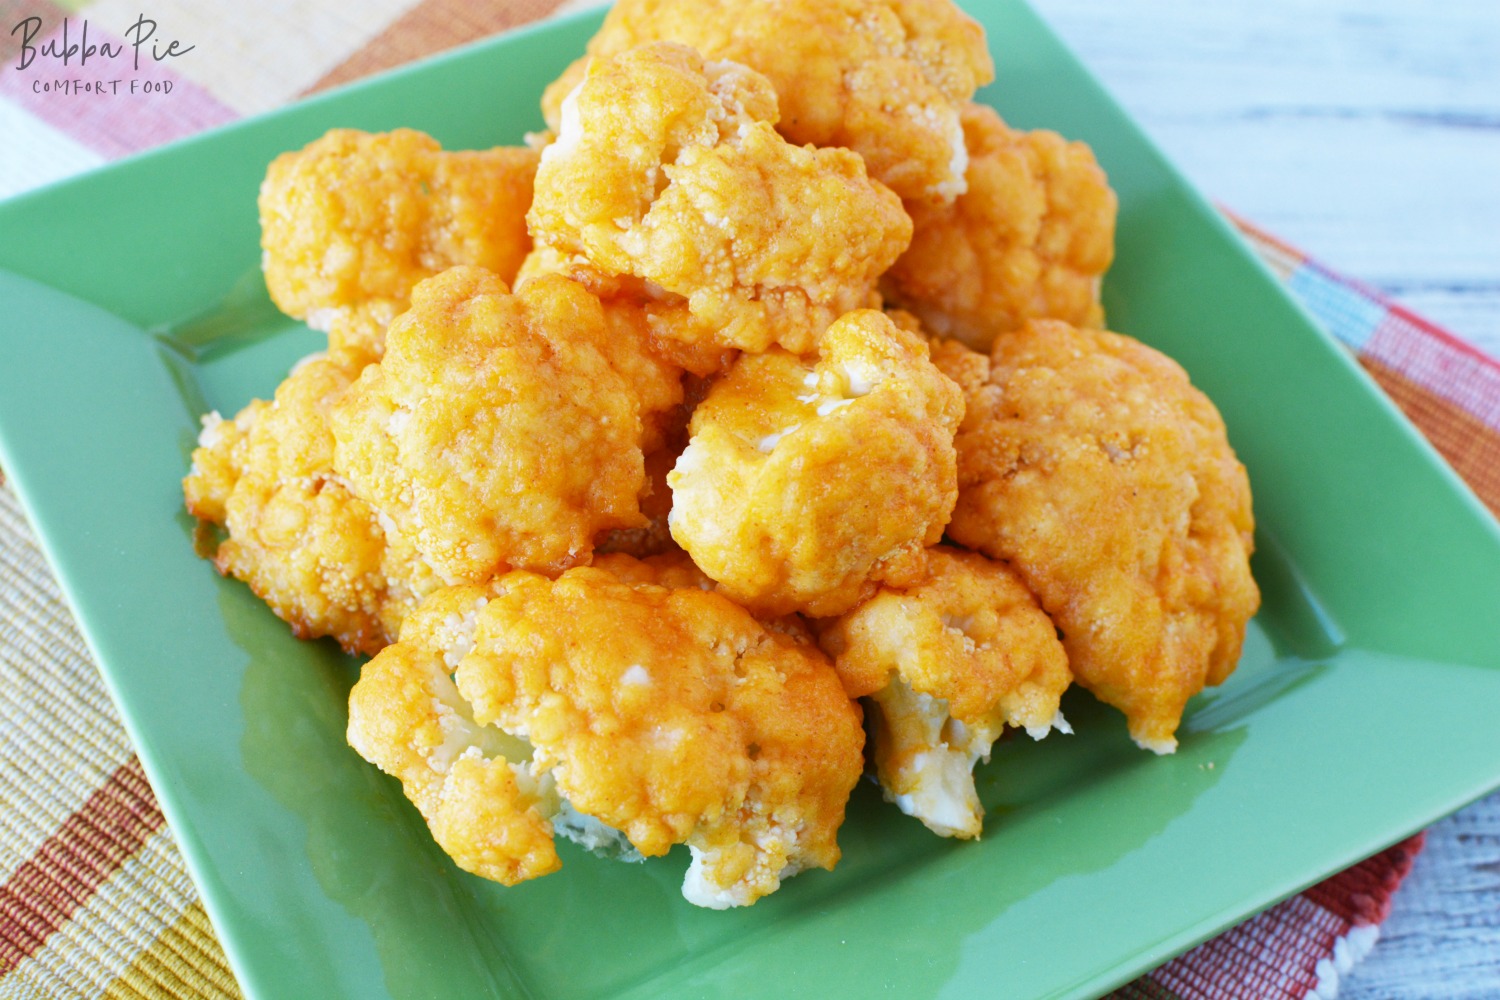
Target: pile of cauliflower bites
(759,403)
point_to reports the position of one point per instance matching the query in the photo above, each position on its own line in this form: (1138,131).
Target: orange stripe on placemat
(70,865)
(432,26)
(1471,446)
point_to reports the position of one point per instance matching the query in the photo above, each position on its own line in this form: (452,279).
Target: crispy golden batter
(805,485)
(496,431)
(639,314)
(666,170)
(1030,239)
(668,569)
(306,546)
(949,664)
(885,78)
(655,538)
(666,715)
(351,223)
(677,569)
(1090,464)
(646,360)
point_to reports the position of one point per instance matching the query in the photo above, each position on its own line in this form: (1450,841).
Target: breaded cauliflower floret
(1031,239)
(949,664)
(666,715)
(306,546)
(1090,464)
(806,484)
(667,170)
(884,78)
(496,432)
(351,223)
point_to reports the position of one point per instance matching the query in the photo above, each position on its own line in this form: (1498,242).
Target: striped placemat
(94,898)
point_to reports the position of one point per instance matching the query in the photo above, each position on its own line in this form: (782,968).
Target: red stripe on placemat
(1362,894)
(432,26)
(1144,988)
(1272,956)
(1276,954)
(1399,313)
(70,865)
(116,120)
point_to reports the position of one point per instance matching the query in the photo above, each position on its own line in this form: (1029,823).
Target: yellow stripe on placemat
(186,961)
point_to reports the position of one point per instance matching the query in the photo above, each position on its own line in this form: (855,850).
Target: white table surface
(1366,133)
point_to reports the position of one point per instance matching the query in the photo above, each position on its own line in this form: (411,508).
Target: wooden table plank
(1367,133)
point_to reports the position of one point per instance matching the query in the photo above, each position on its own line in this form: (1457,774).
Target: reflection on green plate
(1364,707)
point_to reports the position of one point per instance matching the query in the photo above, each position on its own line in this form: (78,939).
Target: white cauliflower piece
(667,172)
(946,666)
(884,78)
(351,223)
(496,432)
(807,483)
(608,709)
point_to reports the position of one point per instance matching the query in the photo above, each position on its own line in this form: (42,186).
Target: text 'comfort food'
(759,410)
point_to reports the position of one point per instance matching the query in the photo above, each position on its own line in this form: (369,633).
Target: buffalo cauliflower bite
(351,223)
(885,78)
(1031,239)
(949,664)
(1090,464)
(655,714)
(667,172)
(305,545)
(495,433)
(807,483)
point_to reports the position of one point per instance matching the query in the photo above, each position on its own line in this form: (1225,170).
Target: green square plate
(1365,707)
